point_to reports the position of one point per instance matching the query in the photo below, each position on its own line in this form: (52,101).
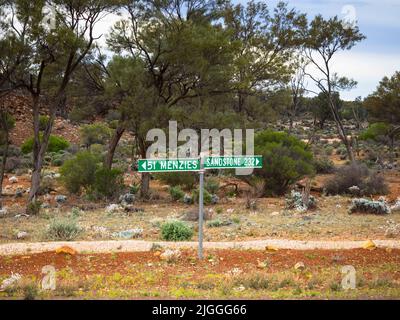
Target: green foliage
(134,188)
(286,160)
(176,193)
(324,165)
(7,121)
(79,172)
(56,144)
(108,182)
(384,103)
(212,185)
(184,179)
(97,133)
(176,231)
(64,229)
(375,131)
(206,196)
(33,208)
(43,121)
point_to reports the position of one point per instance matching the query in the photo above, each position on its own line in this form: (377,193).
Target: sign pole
(201,209)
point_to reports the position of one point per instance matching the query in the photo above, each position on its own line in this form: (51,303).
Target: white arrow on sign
(144,165)
(257,161)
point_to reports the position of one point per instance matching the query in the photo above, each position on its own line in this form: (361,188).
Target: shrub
(56,144)
(176,193)
(295,201)
(33,208)
(375,131)
(184,179)
(211,185)
(324,165)
(176,231)
(108,182)
(368,182)
(207,197)
(368,206)
(286,160)
(43,121)
(79,172)
(97,133)
(65,229)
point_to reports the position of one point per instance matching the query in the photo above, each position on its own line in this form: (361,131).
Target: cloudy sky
(376,56)
(370,60)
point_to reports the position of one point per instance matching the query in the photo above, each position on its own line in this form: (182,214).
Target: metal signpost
(200,165)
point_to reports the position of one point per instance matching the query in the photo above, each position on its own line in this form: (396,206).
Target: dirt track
(139,245)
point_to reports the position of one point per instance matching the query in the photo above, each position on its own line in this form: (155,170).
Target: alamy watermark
(189,143)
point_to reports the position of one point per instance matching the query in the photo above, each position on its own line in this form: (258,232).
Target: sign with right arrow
(232,162)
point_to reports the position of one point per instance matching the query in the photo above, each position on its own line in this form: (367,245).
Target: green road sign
(161,165)
(230,162)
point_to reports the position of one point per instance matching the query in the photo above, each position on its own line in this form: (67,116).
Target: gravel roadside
(139,245)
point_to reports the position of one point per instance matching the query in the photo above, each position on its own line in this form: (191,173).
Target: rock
(396,206)
(22,235)
(187,199)
(299,266)
(22,215)
(230,210)
(113,208)
(15,277)
(13,179)
(129,234)
(60,198)
(66,250)
(214,199)
(19,193)
(369,245)
(271,248)
(127,198)
(170,255)
(3,212)
(275,213)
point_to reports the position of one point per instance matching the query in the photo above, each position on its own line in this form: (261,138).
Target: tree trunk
(112,146)
(39,147)
(341,131)
(3,167)
(145,182)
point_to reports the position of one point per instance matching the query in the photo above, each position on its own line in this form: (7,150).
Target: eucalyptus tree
(324,39)
(268,41)
(183,54)
(55,43)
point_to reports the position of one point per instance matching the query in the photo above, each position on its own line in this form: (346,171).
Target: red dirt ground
(246,260)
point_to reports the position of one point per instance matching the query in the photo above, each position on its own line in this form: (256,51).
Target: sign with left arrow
(168,165)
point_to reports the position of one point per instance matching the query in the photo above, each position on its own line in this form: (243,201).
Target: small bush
(369,206)
(33,207)
(65,229)
(79,172)
(207,197)
(286,160)
(108,182)
(97,133)
(187,180)
(211,185)
(43,121)
(176,231)
(324,165)
(218,223)
(56,144)
(176,193)
(30,291)
(359,175)
(255,282)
